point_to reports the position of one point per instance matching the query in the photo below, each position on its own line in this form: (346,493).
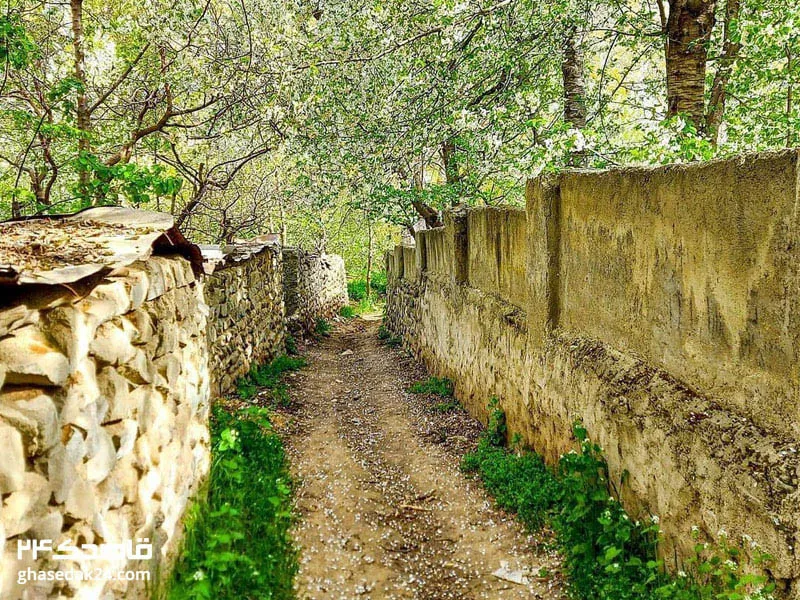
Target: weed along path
(384,510)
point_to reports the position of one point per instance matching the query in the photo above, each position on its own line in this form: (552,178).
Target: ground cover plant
(607,554)
(237,542)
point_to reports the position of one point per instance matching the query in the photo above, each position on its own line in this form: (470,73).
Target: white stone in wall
(80,502)
(115,292)
(112,344)
(16,317)
(101,458)
(12,465)
(29,357)
(33,413)
(48,526)
(23,507)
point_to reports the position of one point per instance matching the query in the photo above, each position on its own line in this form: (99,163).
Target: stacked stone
(246,324)
(103,422)
(315,287)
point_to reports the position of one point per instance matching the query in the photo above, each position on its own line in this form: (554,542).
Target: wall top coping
(63,249)
(217,257)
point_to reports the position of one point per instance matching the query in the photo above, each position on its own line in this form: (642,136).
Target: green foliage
(357,288)
(608,555)
(496,429)
(347,311)
(291,344)
(437,386)
(448,406)
(388,338)
(237,543)
(270,378)
(322,328)
(137,184)
(16,46)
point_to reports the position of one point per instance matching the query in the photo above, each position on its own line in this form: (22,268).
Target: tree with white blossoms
(240,118)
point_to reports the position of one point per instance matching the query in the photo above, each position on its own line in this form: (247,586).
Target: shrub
(347,311)
(237,543)
(357,289)
(449,406)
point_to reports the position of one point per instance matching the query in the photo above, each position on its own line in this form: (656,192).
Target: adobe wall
(660,307)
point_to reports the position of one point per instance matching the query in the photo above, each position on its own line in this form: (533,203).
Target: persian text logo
(142,550)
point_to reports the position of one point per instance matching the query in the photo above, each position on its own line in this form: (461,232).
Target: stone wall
(660,307)
(315,287)
(246,322)
(109,357)
(103,421)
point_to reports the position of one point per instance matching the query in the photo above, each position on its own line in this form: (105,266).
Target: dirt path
(385,511)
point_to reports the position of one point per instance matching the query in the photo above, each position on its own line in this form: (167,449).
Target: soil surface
(384,510)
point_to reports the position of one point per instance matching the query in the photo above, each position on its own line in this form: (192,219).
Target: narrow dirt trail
(384,510)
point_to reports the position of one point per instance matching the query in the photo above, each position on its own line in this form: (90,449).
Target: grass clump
(290,344)
(347,311)
(438,386)
(388,338)
(607,555)
(447,406)
(237,542)
(322,328)
(269,376)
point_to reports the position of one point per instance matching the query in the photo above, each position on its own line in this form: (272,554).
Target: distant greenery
(607,555)
(237,543)
(347,311)
(357,288)
(270,377)
(439,386)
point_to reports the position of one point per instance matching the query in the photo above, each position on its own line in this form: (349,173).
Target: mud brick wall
(659,306)
(246,322)
(315,287)
(103,420)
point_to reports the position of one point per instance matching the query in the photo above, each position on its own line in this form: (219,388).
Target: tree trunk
(789,97)
(574,85)
(730,52)
(450,160)
(284,228)
(689,27)
(83,119)
(429,214)
(572,70)
(369,258)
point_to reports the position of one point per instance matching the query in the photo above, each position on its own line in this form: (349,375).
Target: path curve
(384,510)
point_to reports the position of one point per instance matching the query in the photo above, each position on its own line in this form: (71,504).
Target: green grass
(607,554)
(388,338)
(347,311)
(291,344)
(438,386)
(322,328)
(237,543)
(448,406)
(270,376)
